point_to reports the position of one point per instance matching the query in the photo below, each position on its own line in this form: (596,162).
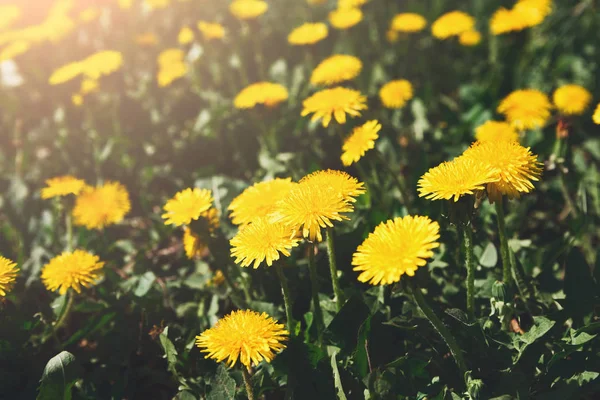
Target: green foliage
(132,334)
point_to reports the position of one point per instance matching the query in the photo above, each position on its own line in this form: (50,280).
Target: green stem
(312,269)
(285,290)
(565,192)
(69,225)
(398,179)
(504,254)
(248,384)
(467,236)
(66,311)
(339,295)
(439,327)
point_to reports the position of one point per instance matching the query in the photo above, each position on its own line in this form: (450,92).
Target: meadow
(309,199)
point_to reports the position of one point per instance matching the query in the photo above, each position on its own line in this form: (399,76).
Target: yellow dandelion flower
(515,167)
(470,38)
(170,66)
(72,270)
(572,99)
(310,207)
(504,21)
(452,24)
(344,18)
(187,206)
(259,200)
(308,33)
(102,63)
(97,207)
(530,13)
(396,93)
(246,335)
(185,36)
(266,93)
(217,280)
(408,22)
(459,177)
(596,117)
(316,2)
(193,243)
(88,86)
(248,9)
(66,73)
(496,131)
(526,109)
(77,100)
(360,141)
(351,3)
(346,186)
(335,69)
(396,247)
(14,49)
(336,102)
(146,39)
(262,240)
(62,186)
(211,30)
(8,275)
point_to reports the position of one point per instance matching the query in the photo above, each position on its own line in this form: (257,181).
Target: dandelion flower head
(259,200)
(454,179)
(212,30)
(572,99)
(344,18)
(526,109)
(171,66)
(62,186)
(100,206)
(496,131)
(335,69)
(187,206)
(396,247)
(72,270)
(335,102)
(351,3)
(248,9)
(8,275)
(396,93)
(469,38)
(408,22)
(266,93)
(596,116)
(516,168)
(308,33)
(309,207)
(246,335)
(262,240)
(360,141)
(452,24)
(186,35)
(346,186)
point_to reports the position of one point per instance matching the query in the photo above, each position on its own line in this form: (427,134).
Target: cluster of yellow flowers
(171,66)
(524,14)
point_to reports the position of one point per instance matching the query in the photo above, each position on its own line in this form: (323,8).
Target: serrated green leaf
(222,385)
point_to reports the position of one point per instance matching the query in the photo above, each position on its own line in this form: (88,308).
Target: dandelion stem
(312,269)
(248,384)
(69,225)
(339,295)
(439,327)
(504,254)
(287,301)
(62,319)
(467,233)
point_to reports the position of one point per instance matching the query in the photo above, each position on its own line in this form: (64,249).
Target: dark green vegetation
(132,335)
